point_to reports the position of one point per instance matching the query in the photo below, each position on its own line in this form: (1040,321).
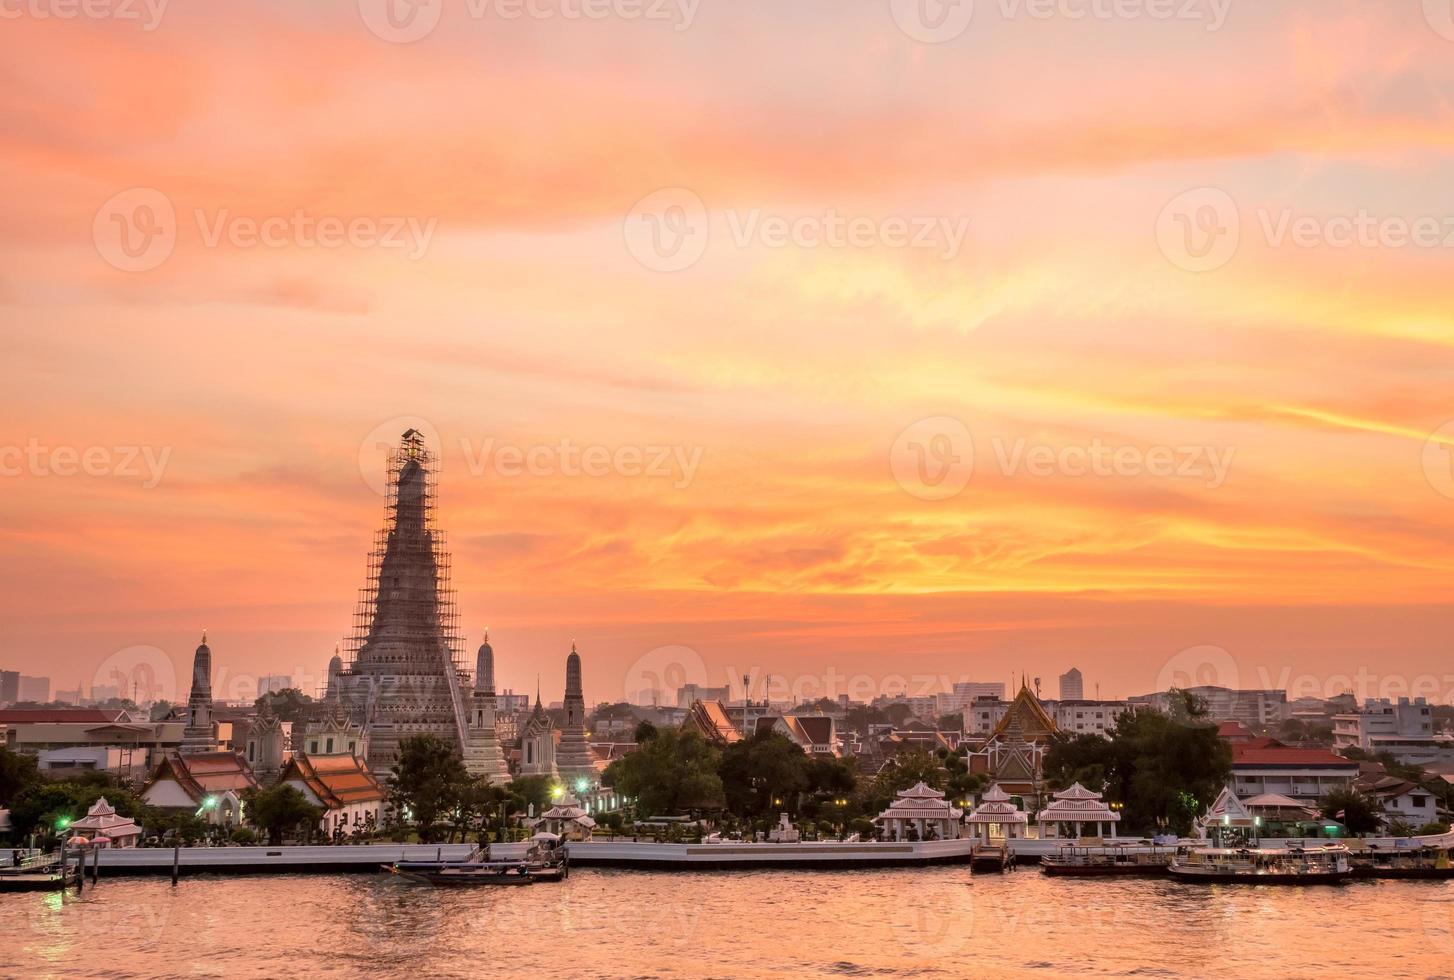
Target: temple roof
(206,773)
(1029,715)
(337,780)
(710,719)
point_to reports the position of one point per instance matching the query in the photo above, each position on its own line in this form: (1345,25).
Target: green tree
(675,772)
(289,704)
(645,732)
(280,810)
(17,772)
(427,781)
(763,775)
(1163,768)
(47,807)
(1353,810)
(528,791)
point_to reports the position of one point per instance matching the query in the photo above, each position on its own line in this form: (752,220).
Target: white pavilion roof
(995,795)
(1077,792)
(920,791)
(103,818)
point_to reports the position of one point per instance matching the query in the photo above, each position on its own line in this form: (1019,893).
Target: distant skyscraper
(1072,685)
(405,674)
(9,686)
(101,693)
(273,683)
(35,689)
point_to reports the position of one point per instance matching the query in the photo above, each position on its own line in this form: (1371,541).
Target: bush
(1430,829)
(244,836)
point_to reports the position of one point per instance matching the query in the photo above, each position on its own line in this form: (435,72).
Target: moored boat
(1108,860)
(545,861)
(1231,853)
(1429,857)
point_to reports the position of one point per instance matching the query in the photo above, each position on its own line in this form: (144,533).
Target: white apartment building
(1404,727)
(1254,708)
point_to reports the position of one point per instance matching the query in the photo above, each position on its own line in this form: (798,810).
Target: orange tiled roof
(337,780)
(206,773)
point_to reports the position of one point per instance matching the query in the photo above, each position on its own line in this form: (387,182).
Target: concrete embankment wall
(727,856)
(282,860)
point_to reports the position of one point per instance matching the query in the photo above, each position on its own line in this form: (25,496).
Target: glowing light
(62,823)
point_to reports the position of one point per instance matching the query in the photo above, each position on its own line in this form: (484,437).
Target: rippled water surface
(909,923)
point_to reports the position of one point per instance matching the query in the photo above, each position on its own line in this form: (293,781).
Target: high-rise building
(688,693)
(9,686)
(35,689)
(1072,685)
(405,670)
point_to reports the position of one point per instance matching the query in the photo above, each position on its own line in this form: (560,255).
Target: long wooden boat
(1108,861)
(1327,865)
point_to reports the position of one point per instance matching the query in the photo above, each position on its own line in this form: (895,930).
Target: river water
(903,923)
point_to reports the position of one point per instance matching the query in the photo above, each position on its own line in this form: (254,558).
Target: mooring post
(96,867)
(80,870)
(176,861)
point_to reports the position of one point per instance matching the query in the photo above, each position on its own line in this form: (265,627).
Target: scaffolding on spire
(404,660)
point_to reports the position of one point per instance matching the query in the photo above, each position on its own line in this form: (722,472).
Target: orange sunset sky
(1126,279)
